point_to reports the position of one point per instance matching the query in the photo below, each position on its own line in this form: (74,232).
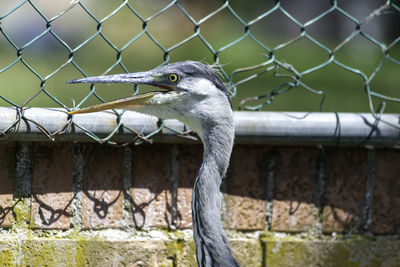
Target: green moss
(81,258)
(180,248)
(36,253)
(86,248)
(7,258)
(72,249)
(186,252)
(22,213)
(175,244)
(171,248)
(358,251)
(179,245)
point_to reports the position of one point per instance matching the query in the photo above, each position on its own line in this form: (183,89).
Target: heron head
(188,91)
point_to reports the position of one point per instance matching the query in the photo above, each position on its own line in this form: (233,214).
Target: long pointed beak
(138,100)
(138,78)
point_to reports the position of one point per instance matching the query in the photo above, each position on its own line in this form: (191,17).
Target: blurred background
(288,55)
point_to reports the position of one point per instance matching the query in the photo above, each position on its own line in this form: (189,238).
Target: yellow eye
(173,78)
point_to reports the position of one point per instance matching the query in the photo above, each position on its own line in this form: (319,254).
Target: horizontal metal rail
(284,128)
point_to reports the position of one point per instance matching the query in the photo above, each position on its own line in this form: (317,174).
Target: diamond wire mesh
(285,74)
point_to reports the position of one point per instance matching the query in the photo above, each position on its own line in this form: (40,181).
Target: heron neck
(218,144)
(212,245)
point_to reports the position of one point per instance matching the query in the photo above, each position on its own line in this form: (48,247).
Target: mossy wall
(161,248)
(64,204)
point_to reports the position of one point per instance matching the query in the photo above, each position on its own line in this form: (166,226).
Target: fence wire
(22,77)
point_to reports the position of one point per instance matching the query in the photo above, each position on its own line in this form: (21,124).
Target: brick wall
(94,204)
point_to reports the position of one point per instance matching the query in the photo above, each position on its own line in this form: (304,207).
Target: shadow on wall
(285,189)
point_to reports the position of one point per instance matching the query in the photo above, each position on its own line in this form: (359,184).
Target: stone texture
(7,168)
(9,250)
(185,252)
(345,183)
(151,192)
(294,183)
(332,253)
(245,202)
(102,186)
(385,216)
(190,157)
(45,252)
(136,253)
(52,185)
(59,253)
(248,252)
(269,251)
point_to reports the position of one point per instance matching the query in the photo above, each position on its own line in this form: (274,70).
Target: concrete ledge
(384,251)
(159,248)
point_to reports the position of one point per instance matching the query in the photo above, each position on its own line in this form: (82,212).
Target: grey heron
(192,93)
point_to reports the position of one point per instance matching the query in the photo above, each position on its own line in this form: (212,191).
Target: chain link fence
(276,55)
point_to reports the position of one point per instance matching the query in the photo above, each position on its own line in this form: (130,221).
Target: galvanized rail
(283,128)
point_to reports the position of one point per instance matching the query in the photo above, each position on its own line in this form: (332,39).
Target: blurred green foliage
(345,90)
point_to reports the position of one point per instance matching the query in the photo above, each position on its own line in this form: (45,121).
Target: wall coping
(281,128)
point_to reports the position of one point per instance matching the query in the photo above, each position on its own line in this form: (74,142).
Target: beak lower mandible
(129,102)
